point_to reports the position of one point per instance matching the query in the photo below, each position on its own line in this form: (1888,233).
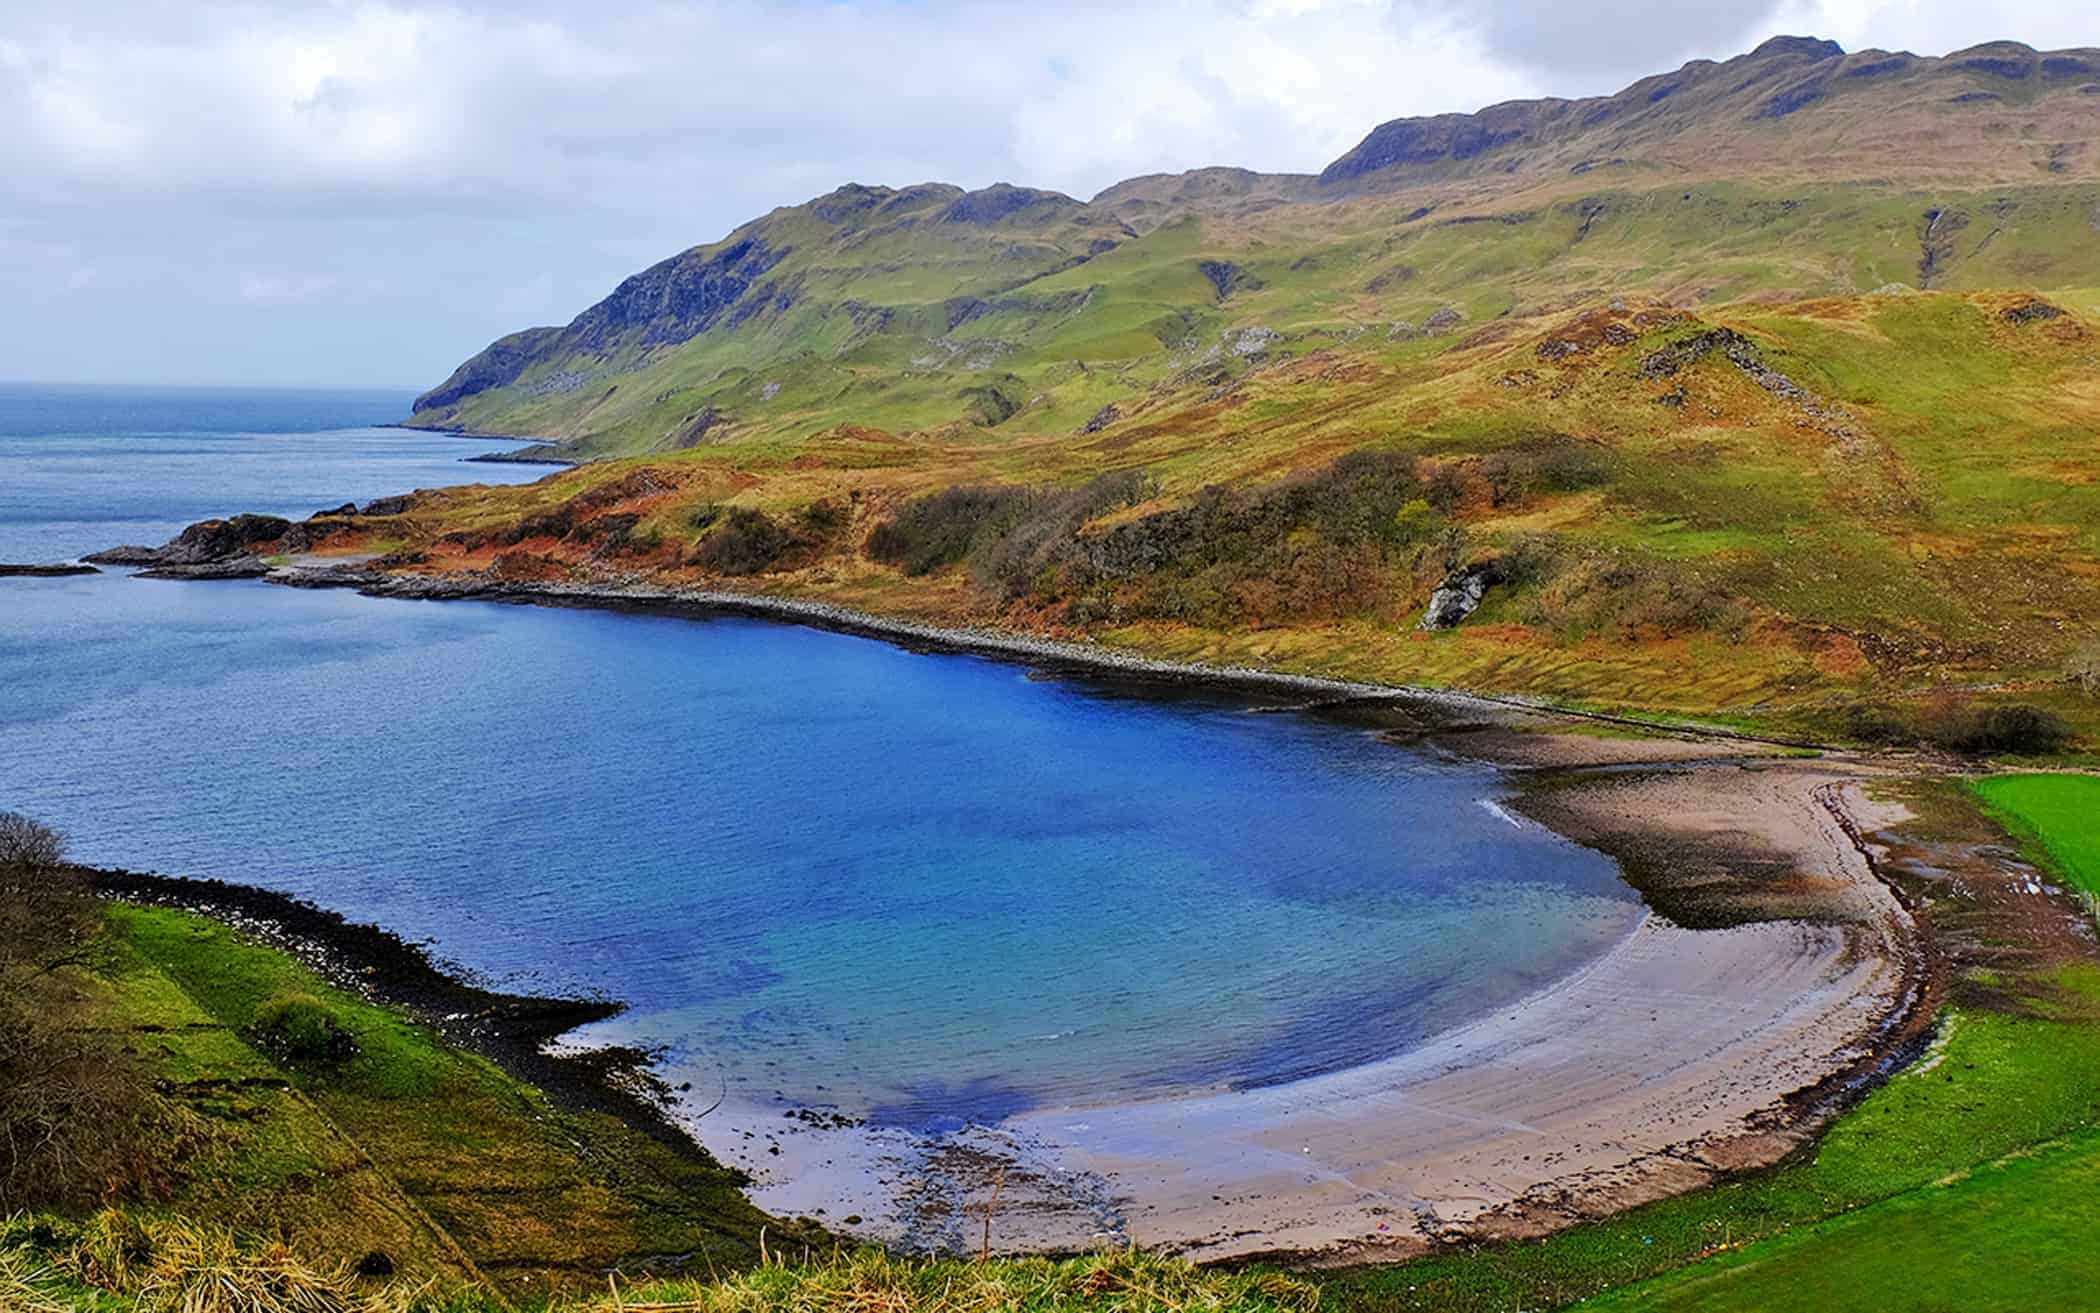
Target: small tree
(79,1120)
(47,917)
(28,846)
(2083,668)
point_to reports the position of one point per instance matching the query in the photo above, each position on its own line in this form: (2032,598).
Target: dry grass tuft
(167,1265)
(871,1281)
(25,1287)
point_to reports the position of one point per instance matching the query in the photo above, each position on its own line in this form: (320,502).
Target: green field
(2057,814)
(2011,1236)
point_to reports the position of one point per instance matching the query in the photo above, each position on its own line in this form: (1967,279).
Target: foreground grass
(119,1264)
(871,1279)
(2013,1235)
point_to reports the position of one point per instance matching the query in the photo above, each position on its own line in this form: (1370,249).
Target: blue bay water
(822,869)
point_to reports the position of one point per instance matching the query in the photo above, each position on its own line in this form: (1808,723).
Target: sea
(819,871)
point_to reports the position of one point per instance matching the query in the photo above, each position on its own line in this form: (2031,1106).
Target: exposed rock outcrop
(204,541)
(1226,277)
(2033,310)
(1460,595)
(494,366)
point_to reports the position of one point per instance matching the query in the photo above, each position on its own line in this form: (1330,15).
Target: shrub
(79,1120)
(48,918)
(1634,596)
(1546,464)
(1953,723)
(1038,545)
(301,1028)
(1323,544)
(1415,521)
(1530,559)
(942,528)
(825,517)
(1874,724)
(746,541)
(2018,729)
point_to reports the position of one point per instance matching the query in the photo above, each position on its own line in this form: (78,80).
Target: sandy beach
(1676,1056)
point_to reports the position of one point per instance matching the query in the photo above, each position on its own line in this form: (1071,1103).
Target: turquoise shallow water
(821,869)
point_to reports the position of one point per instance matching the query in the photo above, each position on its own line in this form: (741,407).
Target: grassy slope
(411,1147)
(1935,520)
(2011,1235)
(1342,276)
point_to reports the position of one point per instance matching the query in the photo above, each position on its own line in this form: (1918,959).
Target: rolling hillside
(1766,389)
(1791,172)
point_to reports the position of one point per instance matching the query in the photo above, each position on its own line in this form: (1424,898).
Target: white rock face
(1458,598)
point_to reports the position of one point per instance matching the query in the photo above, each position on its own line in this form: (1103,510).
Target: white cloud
(432,174)
(1935,27)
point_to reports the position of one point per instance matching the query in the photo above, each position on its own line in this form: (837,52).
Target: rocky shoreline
(1443,709)
(58,570)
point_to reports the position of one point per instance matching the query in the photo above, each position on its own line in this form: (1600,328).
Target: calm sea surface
(821,869)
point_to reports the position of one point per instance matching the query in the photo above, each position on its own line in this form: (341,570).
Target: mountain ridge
(825,279)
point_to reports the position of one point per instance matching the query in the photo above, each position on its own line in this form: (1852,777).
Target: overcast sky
(364,193)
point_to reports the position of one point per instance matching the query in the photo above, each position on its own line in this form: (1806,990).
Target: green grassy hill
(1795,171)
(1763,390)
(1847,516)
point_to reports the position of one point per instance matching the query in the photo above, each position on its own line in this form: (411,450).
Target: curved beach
(1676,1056)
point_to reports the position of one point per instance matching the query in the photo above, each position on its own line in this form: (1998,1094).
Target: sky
(365,192)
